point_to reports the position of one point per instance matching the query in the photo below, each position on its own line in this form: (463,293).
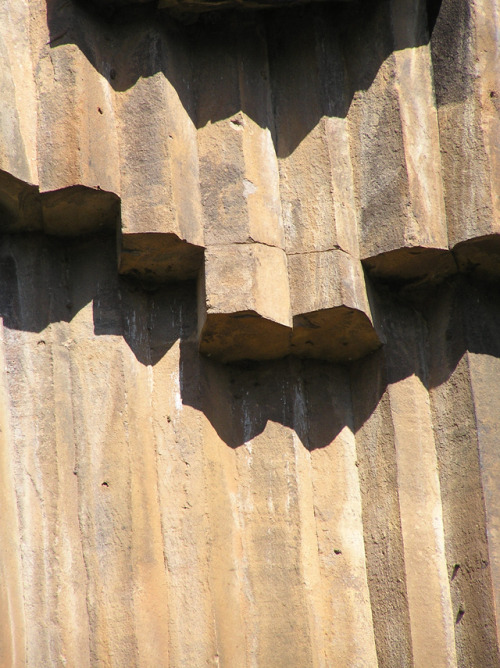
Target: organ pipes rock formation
(250,350)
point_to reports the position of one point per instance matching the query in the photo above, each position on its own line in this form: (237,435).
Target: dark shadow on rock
(45,280)
(453,62)
(284,68)
(463,316)
(309,397)
(41,279)
(318,399)
(428,339)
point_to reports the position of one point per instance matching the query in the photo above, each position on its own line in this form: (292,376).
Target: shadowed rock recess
(250,333)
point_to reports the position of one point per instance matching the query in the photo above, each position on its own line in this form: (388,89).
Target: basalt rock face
(250,351)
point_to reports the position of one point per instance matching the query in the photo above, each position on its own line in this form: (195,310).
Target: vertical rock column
(19,206)
(244,297)
(376,452)
(419,493)
(331,313)
(466,64)
(395,138)
(76,140)
(12,631)
(161,234)
(482,318)
(464,410)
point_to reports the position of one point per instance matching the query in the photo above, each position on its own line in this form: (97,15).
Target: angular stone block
(240,185)
(244,303)
(332,318)
(79,210)
(158,257)
(77,141)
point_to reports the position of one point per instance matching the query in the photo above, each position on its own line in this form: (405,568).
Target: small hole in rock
(105,484)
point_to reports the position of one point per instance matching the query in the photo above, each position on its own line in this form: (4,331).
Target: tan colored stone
(243,301)
(429,600)
(483,374)
(161,207)
(467,82)
(238,165)
(331,314)
(161,508)
(312,138)
(402,217)
(12,630)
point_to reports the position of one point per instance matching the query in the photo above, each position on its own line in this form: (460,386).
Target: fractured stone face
(310,197)
(276,134)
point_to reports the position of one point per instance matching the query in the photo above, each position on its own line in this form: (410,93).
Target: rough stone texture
(250,335)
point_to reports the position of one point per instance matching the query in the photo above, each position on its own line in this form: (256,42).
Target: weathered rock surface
(271,130)
(310,197)
(158,507)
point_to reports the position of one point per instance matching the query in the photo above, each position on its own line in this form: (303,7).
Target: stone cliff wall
(250,378)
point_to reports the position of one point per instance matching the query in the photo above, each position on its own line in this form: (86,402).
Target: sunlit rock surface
(250,341)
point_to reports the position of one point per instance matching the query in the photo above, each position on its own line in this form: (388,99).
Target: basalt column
(249,337)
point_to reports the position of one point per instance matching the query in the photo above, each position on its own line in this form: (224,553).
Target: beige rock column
(244,296)
(331,314)
(276,529)
(484,373)
(161,225)
(150,577)
(19,203)
(77,146)
(466,64)
(376,463)
(12,629)
(103,454)
(395,137)
(233,606)
(455,420)
(38,365)
(431,617)
(419,494)
(185,503)
(330,495)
